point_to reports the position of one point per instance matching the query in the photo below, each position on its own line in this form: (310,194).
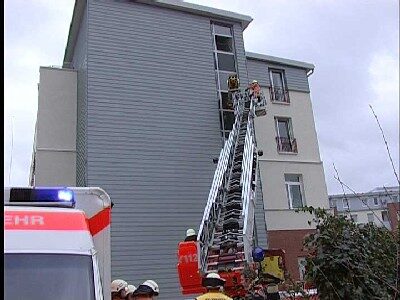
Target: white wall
(55,136)
(274,165)
(300,111)
(362,217)
(278,214)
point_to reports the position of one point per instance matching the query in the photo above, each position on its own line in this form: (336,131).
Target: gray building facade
(371,207)
(152,113)
(148,125)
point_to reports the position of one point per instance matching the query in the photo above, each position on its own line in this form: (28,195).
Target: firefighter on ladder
(213,283)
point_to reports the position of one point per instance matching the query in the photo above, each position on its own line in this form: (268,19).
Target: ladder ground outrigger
(225,240)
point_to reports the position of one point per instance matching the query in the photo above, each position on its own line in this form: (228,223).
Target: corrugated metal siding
(153,130)
(79,63)
(296,78)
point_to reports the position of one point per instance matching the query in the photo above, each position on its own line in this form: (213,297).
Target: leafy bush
(351,261)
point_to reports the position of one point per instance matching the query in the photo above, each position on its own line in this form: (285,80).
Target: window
(345,203)
(354,217)
(223,43)
(278,90)
(364,202)
(370,218)
(385,216)
(226,62)
(38,276)
(294,188)
(302,267)
(225,65)
(222,30)
(227,103)
(229,120)
(376,202)
(284,140)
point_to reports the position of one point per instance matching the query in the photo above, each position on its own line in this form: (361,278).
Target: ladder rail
(230,210)
(248,194)
(216,195)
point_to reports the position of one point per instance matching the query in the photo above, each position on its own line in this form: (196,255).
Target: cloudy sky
(353,44)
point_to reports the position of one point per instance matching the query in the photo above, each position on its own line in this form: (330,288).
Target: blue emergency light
(45,195)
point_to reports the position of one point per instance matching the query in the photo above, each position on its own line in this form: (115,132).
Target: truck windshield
(48,276)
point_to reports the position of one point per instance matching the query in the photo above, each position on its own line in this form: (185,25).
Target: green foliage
(348,260)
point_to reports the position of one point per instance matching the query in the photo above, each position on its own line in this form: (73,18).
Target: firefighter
(147,290)
(273,292)
(213,283)
(255,87)
(119,289)
(190,235)
(129,293)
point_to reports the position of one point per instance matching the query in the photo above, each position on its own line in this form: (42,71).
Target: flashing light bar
(42,195)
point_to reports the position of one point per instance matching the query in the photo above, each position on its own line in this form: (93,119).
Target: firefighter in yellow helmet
(213,283)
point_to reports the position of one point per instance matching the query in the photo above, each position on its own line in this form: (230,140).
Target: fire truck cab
(57,243)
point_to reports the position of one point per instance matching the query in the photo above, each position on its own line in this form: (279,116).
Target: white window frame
(224,132)
(377,201)
(293,144)
(282,73)
(346,203)
(289,126)
(300,184)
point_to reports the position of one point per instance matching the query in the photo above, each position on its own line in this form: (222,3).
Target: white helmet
(131,289)
(190,232)
(119,285)
(213,280)
(214,275)
(254,81)
(153,285)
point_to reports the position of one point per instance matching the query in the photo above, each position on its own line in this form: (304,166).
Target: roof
(374,192)
(280,60)
(201,10)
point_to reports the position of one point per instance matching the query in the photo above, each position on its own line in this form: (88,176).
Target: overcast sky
(353,44)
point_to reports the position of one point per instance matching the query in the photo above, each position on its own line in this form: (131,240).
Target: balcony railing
(286,144)
(278,94)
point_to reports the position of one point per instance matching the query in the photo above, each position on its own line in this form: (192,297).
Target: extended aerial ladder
(225,241)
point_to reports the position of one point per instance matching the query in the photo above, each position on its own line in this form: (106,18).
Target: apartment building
(143,111)
(379,206)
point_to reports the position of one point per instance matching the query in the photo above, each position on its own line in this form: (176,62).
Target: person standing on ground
(213,283)
(131,290)
(147,290)
(191,235)
(119,289)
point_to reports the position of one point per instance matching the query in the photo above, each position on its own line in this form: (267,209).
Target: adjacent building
(140,108)
(379,206)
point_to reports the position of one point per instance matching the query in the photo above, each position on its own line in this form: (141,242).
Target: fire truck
(226,241)
(57,243)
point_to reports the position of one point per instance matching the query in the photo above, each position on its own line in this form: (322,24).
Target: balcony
(278,94)
(286,145)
